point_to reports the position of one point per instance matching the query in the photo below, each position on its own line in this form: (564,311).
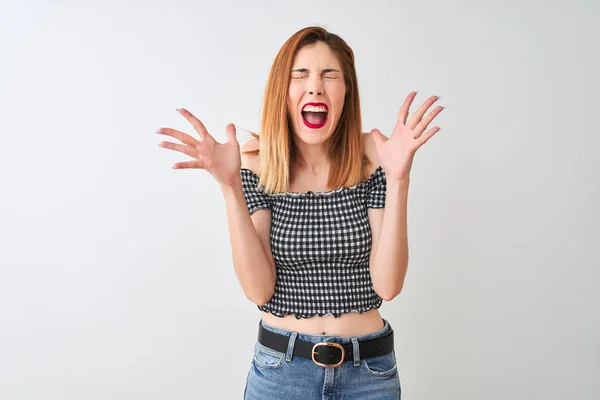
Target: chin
(313,136)
(313,141)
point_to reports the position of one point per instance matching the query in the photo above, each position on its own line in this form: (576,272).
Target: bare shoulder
(250,158)
(371,151)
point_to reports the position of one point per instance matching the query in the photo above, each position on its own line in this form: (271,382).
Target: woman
(317,219)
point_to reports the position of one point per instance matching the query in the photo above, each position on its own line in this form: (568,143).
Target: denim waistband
(330,338)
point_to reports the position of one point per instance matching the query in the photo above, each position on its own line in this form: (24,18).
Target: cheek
(294,95)
(337,93)
(293,101)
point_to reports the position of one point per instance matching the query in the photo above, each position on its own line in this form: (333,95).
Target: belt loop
(290,349)
(355,351)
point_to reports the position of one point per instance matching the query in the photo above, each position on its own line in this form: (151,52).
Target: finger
(183,137)
(403,113)
(427,135)
(196,123)
(190,151)
(231,134)
(418,115)
(421,126)
(190,164)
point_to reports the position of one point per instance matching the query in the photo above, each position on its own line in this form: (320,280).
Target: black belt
(327,354)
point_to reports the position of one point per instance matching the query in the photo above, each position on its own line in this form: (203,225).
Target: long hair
(277,152)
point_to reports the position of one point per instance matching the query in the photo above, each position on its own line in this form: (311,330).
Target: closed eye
(326,77)
(328,73)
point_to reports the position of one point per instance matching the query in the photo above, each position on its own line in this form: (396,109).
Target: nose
(316,87)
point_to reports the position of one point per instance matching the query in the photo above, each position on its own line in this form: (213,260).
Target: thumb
(378,137)
(231,134)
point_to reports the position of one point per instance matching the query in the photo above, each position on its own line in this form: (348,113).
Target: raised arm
(249,236)
(389,258)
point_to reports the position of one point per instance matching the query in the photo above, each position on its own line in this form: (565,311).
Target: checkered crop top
(321,244)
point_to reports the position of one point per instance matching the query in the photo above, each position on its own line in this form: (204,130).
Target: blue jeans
(275,375)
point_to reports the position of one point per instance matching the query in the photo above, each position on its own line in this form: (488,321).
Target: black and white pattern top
(321,244)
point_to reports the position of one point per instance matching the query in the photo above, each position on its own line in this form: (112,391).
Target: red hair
(277,152)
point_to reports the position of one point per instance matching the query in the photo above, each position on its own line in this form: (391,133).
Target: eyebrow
(322,72)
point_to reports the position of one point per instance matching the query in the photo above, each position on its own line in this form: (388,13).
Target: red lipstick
(315,126)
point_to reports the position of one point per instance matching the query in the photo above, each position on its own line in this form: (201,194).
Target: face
(316,93)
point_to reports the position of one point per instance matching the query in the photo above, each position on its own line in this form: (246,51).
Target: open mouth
(314,115)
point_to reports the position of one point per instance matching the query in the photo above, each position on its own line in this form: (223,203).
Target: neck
(312,157)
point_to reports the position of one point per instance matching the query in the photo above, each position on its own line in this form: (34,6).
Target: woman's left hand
(396,153)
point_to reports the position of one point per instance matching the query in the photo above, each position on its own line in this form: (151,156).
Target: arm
(390,259)
(250,236)
(389,251)
(250,244)
(389,254)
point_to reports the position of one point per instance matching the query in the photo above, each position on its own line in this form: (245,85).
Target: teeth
(315,108)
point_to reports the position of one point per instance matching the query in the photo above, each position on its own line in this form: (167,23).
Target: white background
(116,279)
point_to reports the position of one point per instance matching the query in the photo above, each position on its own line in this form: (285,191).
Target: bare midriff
(350,324)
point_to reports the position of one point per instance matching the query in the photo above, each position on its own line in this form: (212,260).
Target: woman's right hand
(222,160)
